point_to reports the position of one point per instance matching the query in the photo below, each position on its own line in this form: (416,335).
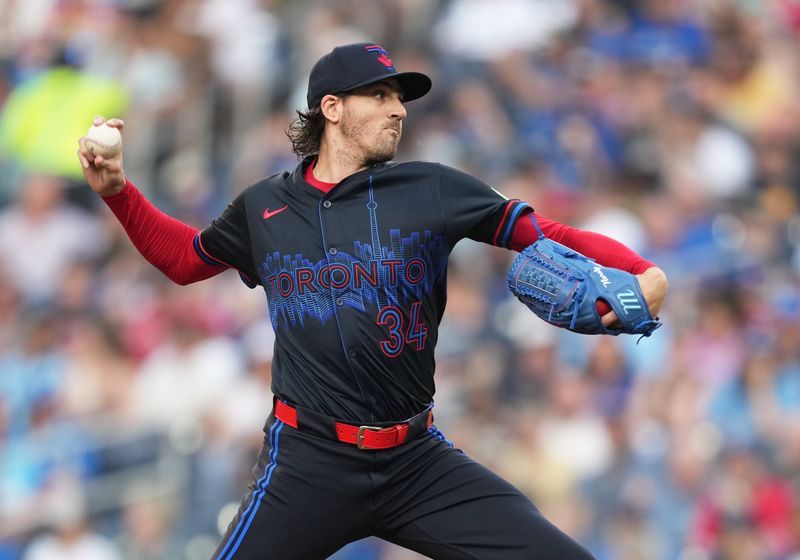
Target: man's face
(372,121)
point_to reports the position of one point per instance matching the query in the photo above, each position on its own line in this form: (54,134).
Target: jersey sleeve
(475,210)
(226,241)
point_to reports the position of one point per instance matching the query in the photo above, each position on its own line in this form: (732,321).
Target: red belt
(364,437)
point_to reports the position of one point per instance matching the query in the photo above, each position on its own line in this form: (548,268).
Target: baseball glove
(563,286)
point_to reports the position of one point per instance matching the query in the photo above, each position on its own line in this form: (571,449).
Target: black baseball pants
(311,496)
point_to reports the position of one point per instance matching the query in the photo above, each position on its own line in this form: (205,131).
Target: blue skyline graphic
(406,270)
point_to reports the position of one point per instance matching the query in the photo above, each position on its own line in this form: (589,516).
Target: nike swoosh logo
(268,214)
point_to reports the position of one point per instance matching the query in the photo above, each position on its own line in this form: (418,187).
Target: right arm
(168,244)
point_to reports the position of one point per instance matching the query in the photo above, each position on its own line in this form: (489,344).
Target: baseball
(103,140)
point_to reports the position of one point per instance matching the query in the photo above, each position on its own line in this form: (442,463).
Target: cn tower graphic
(376,239)
(373,219)
(373,275)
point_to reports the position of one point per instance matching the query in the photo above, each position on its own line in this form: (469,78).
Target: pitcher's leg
(305,501)
(454,508)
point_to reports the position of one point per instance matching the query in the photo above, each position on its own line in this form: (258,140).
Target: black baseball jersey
(355,279)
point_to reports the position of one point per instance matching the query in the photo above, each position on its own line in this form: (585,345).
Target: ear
(331,108)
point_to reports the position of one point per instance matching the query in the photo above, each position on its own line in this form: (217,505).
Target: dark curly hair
(305,132)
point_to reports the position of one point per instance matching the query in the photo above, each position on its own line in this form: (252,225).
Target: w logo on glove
(628,300)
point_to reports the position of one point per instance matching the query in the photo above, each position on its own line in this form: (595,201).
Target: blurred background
(131,409)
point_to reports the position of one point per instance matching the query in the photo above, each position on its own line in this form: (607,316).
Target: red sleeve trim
(205,255)
(214,261)
(514,209)
(500,225)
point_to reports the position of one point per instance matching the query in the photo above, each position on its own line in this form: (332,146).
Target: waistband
(364,436)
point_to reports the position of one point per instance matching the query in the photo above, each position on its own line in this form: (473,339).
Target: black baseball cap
(348,67)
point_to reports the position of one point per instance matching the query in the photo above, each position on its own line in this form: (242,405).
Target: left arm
(474,210)
(603,249)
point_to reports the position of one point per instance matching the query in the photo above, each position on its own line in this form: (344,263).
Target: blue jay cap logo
(348,67)
(383,56)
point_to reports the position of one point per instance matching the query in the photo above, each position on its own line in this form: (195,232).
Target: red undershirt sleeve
(166,243)
(603,249)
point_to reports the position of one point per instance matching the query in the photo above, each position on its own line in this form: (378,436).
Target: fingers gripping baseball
(100,155)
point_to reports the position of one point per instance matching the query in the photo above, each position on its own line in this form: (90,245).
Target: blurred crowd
(131,408)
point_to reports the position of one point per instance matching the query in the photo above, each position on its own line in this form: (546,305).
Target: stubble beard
(383,146)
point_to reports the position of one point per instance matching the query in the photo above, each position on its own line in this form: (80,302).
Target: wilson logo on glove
(628,300)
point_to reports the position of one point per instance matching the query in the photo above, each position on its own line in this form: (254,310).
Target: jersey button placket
(336,292)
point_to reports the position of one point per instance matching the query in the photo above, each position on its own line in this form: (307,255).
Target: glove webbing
(579,293)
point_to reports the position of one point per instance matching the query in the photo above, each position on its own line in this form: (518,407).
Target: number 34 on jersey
(413,333)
